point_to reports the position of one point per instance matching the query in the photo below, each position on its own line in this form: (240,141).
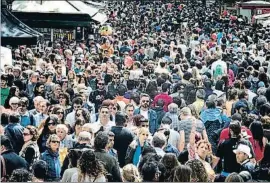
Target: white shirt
(135,74)
(70,119)
(251,95)
(144,113)
(219,62)
(107,127)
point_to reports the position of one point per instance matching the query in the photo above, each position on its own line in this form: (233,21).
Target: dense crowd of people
(177,93)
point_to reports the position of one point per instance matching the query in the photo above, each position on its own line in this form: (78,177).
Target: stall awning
(57,14)
(14,32)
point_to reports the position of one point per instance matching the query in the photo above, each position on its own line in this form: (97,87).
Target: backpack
(218,71)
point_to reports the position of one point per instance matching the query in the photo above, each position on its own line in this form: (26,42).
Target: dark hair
(166,120)
(235,127)
(5,141)
(120,118)
(170,162)
(14,118)
(33,131)
(182,173)
(89,165)
(40,169)
(85,114)
(256,129)
(149,171)
(165,87)
(101,140)
(266,158)
(135,97)
(21,175)
(138,119)
(199,173)
(77,100)
(73,156)
(46,130)
(12,91)
(121,90)
(234,177)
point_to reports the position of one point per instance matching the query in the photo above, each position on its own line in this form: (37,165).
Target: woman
(199,173)
(182,173)
(78,128)
(259,139)
(13,92)
(49,128)
(131,174)
(136,147)
(51,157)
(83,114)
(170,162)
(90,169)
(14,104)
(30,150)
(64,100)
(262,170)
(59,111)
(232,98)
(21,175)
(66,140)
(73,157)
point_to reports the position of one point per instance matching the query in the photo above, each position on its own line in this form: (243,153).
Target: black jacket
(111,165)
(13,162)
(123,137)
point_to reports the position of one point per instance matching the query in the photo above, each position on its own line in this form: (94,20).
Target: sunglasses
(101,84)
(59,112)
(58,142)
(26,134)
(51,124)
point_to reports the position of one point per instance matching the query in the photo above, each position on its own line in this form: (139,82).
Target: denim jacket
(152,119)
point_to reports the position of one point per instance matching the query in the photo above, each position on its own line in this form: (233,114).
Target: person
(40,170)
(243,156)
(51,157)
(199,173)
(182,173)
(10,161)
(148,113)
(123,137)
(150,172)
(131,173)
(136,147)
(111,164)
(170,162)
(66,140)
(164,96)
(21,175)
(234,177)
(73,157)
(14,131)
(76,104)
(90,169)
(159,142)
(30,150)
(104,119)
(26,117)
(42,115)
(4,89)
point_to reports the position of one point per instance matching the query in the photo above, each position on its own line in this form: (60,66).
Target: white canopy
(60,7)
(263,16)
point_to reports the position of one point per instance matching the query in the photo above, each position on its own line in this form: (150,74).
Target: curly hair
(170,162)
(131,173)
(85,114)
(198,171)
(90,166)
(33,131)
(21,175)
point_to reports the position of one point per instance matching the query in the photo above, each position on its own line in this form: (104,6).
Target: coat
(152,119)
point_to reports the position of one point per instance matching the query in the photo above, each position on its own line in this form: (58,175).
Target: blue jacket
(54,166)
(152,119)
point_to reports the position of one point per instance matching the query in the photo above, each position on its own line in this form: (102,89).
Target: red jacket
(166,98)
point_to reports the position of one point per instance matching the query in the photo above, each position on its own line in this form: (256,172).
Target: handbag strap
(4,173)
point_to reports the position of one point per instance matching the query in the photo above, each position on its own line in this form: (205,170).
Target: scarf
(25,145)
(137,154)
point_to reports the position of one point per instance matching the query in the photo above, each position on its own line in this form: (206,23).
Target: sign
(263,11)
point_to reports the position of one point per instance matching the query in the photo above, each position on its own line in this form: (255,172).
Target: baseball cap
(244,149)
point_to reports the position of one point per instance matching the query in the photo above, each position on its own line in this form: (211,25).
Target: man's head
(185,112)
(104,113)
(159,140)
(235,129)
(40,169)
(150,171)
(23,104)
(129,109)
(84,137)
(145,101)
(5,144)
(101,141)
(77,103)
(111,140)
(43,106)
(120,118)
(242,153)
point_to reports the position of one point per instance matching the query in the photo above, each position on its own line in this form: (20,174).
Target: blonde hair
(131,173)
(143,130)
(62,127)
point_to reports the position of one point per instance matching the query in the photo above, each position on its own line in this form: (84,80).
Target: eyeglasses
(58,142)
(101,84)
(59,112)
(51,124)
(26,134)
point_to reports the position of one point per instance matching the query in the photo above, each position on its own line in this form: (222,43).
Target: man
(147,112)
(113,86)
(159,142)
(111,164)
(98,96)
(218,68)
(150,172)
(84,141)
(164,96)
(12,161)
(14,131)
(123,137)
(42,115)
(109,147)
(76,104)
(226,149)
(104,119)
(31,84)
(199,103)
(36,100)
(26,117)
(243,156)
(247,87)
(185,127)
(129,110)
